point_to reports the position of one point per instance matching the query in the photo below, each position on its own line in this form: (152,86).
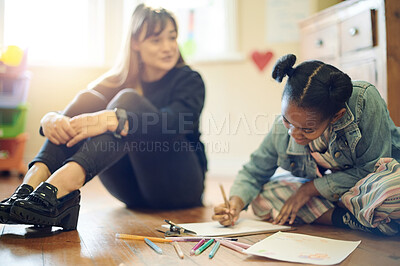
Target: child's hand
(295,202)
(228,217)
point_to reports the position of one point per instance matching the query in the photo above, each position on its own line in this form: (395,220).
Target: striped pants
(374,200)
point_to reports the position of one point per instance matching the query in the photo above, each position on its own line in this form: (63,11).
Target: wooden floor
(102,216)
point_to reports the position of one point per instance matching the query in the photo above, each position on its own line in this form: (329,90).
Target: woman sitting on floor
(137,128)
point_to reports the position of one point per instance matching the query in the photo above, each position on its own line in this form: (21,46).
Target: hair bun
(340,88)
(283,67)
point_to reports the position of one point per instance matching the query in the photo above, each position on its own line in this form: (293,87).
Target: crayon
(193,250)
(240,244)
(232,246)
(214,250)
(153,246)
(204,247)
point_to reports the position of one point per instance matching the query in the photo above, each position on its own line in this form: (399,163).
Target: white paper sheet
(303,248)
(242,227)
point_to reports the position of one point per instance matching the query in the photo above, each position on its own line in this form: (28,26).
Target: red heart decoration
(261,59)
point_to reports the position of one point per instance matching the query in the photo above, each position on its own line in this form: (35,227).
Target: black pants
(143,172)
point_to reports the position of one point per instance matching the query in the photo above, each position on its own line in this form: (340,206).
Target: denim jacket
(363,135)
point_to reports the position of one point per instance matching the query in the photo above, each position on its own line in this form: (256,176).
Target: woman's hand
(228,217)
(295,202)
(94,124)
(57,128)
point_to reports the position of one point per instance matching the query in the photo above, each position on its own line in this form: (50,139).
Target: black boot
(5,206)
(42,207)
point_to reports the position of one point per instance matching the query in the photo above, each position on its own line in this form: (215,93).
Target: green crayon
(203,247)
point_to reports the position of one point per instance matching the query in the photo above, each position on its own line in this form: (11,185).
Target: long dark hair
(313,85)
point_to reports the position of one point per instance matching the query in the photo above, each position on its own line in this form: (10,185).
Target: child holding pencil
(336,138)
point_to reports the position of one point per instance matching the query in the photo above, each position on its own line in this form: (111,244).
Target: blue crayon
(153,246)
(214,250)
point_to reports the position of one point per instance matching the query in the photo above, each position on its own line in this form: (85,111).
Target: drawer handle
(319,43)
(353,31)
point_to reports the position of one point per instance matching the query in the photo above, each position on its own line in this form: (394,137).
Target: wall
(242,102)
(240,105)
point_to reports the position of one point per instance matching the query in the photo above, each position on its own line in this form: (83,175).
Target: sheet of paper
(303,248)
(242,227)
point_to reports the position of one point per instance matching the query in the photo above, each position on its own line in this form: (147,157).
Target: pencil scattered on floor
(178,250)
(204,247)
(153,246)
(214,250)
(136,237)
(193,250)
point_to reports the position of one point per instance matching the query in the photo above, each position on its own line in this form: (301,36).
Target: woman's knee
(85,102)
(90,96)
(126,99)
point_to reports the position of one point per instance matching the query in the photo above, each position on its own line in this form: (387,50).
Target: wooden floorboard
(102,216)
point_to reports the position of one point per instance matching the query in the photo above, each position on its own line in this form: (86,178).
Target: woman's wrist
(111,120)
(122,118)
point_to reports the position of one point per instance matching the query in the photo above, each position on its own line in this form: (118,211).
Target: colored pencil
(153,246)
(227,205)
(214,250)
(204,247)
(240,244)
(232,246)
(193,250)
(196,238)
(178,250)
(135,237)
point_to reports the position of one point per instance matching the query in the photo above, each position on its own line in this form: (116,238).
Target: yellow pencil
(135,237)
(226,203)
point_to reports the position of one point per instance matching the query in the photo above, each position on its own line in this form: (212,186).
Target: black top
(179,96)
(179,99)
